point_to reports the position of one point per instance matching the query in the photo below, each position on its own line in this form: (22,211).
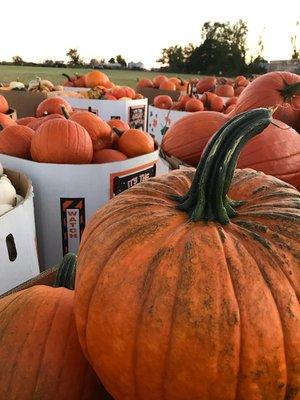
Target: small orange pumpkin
(206,84)
(146,83)
(135,143)
(157,80)
(96,78)
(194,105)
(52,106)
(15,140)
(62,141)
(167,85)
(5,121)
(224,90)
(163,101)
(107,156)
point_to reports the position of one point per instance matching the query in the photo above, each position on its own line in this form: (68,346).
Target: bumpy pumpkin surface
(40,356)
(185,293)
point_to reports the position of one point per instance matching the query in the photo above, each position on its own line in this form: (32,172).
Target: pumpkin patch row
(60,135)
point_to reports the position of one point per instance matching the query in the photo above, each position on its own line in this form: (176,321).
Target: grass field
(10,73)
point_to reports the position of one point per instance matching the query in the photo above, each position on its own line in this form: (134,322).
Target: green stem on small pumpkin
(207,198)
(68,77)
(65,276)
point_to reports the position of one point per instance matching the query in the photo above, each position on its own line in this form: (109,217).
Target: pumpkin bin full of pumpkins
(77,162)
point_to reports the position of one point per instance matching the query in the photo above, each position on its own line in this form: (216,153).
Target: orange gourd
(135,143)
(188,284)
(15,140)
(107,156)
(62,141)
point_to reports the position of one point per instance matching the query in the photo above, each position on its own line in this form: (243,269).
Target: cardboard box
(18,252)
(150,93)
(134,112)
(25,103)
(160,120)
(67,195)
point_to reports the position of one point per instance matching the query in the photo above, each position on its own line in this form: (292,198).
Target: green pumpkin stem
(68,77)
(207,197)
(65,276)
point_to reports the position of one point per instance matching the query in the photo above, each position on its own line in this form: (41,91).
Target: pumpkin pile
(5,119)
(63,136)
(162,82)
(8,196)
(187,287)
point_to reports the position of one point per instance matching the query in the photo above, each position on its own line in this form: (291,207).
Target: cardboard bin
(25,103)
(160,120)
(67,195)
(18,252)
(134,112)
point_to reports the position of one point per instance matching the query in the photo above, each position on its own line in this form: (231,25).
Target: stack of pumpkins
(187,288)
(275,152)
(59,135)
(162,82)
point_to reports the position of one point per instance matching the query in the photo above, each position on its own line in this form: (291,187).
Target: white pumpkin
(19,198)
(16,85)
(4,208)
(7,191)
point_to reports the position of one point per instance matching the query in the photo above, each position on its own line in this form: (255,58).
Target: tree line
(222,51)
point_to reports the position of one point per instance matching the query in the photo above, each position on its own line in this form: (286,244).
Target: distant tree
(94,62)
(74,57)
(121,60)
(294,37)
(112,61)
(17,60)
(49,63)
(173,58)
(223,50)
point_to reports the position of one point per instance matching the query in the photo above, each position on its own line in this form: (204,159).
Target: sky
(137,29)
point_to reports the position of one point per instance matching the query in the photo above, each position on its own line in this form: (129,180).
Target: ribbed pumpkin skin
(119,124)
(96,78)
(52,106)
(25,121)
(264,91)
(40,356)
(187,137)
(37,122)
(62,141)
(169,309)
(275,152)
(15,140)
(99,131)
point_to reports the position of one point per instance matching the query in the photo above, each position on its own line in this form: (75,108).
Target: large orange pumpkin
(40,356)
(135,143)
(188,284)
(274,89)
(96,78)
(4,107)
(99,131)
(53,105)
(62,141)
(187,137)
(15,140)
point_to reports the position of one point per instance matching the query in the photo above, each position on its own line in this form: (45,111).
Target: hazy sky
(137,29)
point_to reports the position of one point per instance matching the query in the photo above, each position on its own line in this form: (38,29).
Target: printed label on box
(137,117)
(126,179)
(72,223)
